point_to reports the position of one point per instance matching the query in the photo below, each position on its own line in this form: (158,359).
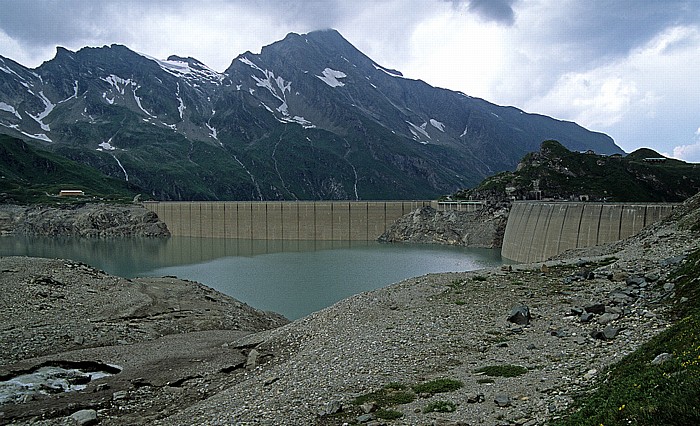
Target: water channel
(293,278)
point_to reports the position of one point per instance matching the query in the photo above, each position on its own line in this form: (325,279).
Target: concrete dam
(283,220)
(535,230)
(538,230)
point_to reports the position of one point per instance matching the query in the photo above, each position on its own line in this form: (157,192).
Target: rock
(474,397)
(481,228)
(120,395)
(252,360)
(636,281)
(365,418)
(519,315)
(331,408)
(661,358)
(368,407)
(502,400)
(586,317)
(590,374)
(84,417)
(595,308)
(89,220)
(607,317)
(669,286)
(608,333)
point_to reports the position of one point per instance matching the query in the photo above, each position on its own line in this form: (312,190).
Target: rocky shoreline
(86,220)
(584,310)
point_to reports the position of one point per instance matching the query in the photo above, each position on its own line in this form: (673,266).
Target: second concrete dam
(538,230)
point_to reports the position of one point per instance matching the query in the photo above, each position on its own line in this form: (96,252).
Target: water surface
(293,278)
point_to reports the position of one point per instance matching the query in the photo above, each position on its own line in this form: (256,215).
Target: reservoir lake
(293,278)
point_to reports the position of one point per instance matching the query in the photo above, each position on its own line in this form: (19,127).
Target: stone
(586,317)
(84,417)
(365,418)
(368,407)
(636,281)
(595,308)
(332,407)
(661,358)
(607,317)
(669,286)
(474,397)
(610,332)
(119,395)
(252,360)
(519,315)
(502,400)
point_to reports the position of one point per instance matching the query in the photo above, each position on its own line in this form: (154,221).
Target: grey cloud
(604,29)
(500,11)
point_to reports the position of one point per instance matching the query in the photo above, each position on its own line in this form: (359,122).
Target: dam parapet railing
(538,230)
(283,220)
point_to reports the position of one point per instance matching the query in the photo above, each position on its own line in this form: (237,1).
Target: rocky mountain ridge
(555,172)
(310,117)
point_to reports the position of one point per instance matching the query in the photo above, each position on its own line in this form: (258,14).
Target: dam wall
(283,220)
(536,231)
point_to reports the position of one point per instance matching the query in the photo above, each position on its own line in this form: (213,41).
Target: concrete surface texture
(283,220)
(538,230)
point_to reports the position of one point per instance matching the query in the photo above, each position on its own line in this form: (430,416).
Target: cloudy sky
(628,68)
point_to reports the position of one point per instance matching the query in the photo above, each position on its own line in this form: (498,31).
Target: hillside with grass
(30,176)
(554,172)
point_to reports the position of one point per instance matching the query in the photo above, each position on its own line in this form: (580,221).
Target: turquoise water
(293,278)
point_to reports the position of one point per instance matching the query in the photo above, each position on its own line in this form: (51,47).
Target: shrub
(502,370)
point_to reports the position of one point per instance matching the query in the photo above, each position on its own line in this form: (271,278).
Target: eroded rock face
(90,220)
(426,225)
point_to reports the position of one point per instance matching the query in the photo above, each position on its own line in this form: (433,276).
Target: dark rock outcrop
(483,228)
(90,220)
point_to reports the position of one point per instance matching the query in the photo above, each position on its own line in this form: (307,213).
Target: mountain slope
(310,117)
(555,172)
(28,175)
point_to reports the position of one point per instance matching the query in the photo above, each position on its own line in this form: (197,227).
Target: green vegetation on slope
(29,175)
(635,391)
(558,173)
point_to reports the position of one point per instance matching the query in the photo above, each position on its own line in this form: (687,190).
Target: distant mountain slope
(29,175)
(310,117)
(556,172)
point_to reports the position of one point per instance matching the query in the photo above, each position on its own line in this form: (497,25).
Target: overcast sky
(628,68)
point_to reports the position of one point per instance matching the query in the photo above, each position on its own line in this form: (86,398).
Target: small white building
(71,193)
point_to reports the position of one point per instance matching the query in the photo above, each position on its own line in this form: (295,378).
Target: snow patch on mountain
(10,109)
(109,101)
(180,103)
(331,76)
(48,107)
(438,125)
(417,131)
(185,70)
(106,146)
(38,136)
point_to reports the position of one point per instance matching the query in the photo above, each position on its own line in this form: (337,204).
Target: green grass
(440,407)
(437,386)
(386,414)
(502,370)
(636,392)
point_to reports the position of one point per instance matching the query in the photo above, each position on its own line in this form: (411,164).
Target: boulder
(520,315)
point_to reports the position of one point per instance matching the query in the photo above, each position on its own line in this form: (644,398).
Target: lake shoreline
(434,326)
